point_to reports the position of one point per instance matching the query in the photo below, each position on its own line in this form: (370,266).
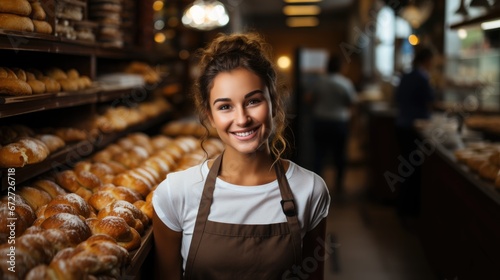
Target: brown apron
(233,251)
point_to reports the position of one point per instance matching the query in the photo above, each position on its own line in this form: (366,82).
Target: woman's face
(241,110)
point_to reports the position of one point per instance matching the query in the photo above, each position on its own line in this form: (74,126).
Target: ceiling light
(302,21)
(205,15)
(490,25)
(302,1)
(302,10)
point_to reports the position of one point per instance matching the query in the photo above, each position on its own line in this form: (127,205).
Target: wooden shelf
(470,22)
(36,42)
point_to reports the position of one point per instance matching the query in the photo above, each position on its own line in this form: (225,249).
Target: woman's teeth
(243,134)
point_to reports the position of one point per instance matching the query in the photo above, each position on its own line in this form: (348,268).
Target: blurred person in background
(414,98)
(332,97)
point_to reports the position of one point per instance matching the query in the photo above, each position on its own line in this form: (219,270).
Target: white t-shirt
(177,198)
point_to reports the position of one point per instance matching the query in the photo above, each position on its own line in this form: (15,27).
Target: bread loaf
(99,255)
(126,210)
(36,150)
(14,86)
(118,229)
(37,11)
(133,182)
(37,87)
(13,155)
(17,7)
(35,198)
(50,187)
(109,193)
(53,142)
(15,22)
(42,26)
(23,214)
(72,225)
(70,203)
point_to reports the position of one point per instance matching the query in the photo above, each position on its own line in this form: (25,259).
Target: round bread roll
(73,74)
(15,22)
(51,85)
(69,134)
(52,142)
(42,26)
(37,87)
(56,73)
(37,11)
(17,7)
(68,85)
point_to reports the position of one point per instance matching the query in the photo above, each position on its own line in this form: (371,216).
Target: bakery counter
(459,221)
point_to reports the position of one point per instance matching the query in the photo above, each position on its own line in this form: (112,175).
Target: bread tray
(6,99)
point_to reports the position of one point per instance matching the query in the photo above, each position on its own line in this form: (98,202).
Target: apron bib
(234,251)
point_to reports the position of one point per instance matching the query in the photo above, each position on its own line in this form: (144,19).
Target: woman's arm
(167,245)
(313,252)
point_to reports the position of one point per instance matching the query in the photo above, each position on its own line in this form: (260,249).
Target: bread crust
(16,22)
(17,7)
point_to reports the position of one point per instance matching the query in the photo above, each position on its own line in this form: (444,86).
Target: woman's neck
(247,169)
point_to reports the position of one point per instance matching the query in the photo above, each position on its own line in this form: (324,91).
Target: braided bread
(72,225)
(109,193)
(126,210)
(118,229)
(23,214)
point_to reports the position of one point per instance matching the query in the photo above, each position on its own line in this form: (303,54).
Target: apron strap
(202,217)
(289,208)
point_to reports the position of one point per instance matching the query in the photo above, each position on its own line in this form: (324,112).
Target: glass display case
(472,66)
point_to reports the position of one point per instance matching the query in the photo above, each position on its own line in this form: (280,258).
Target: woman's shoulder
(187,176)
(295,170)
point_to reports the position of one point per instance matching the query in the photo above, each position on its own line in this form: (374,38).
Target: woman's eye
(253,101)
(223,107)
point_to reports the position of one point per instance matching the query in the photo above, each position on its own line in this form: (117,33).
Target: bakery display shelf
(12,106)
(107,138)
(118,93)
(139,255)
(7,99)
(61,159)
(30,41)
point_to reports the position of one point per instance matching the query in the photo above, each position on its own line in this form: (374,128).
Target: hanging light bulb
(205,15)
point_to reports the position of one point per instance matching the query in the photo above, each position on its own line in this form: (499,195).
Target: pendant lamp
(205,15)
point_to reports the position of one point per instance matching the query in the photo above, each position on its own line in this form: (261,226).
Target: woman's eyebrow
(225,99)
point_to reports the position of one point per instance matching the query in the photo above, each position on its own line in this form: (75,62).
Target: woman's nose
(243,118)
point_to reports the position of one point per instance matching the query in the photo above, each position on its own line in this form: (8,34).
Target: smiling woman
(273,209)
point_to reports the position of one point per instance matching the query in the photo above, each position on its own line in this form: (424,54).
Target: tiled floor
(371,243)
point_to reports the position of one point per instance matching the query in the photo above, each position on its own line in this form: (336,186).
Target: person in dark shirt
(414,98)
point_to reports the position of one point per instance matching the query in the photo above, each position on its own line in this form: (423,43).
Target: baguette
(17,7)
(16,23)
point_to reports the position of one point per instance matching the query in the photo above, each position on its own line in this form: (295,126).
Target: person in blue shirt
(414,98)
